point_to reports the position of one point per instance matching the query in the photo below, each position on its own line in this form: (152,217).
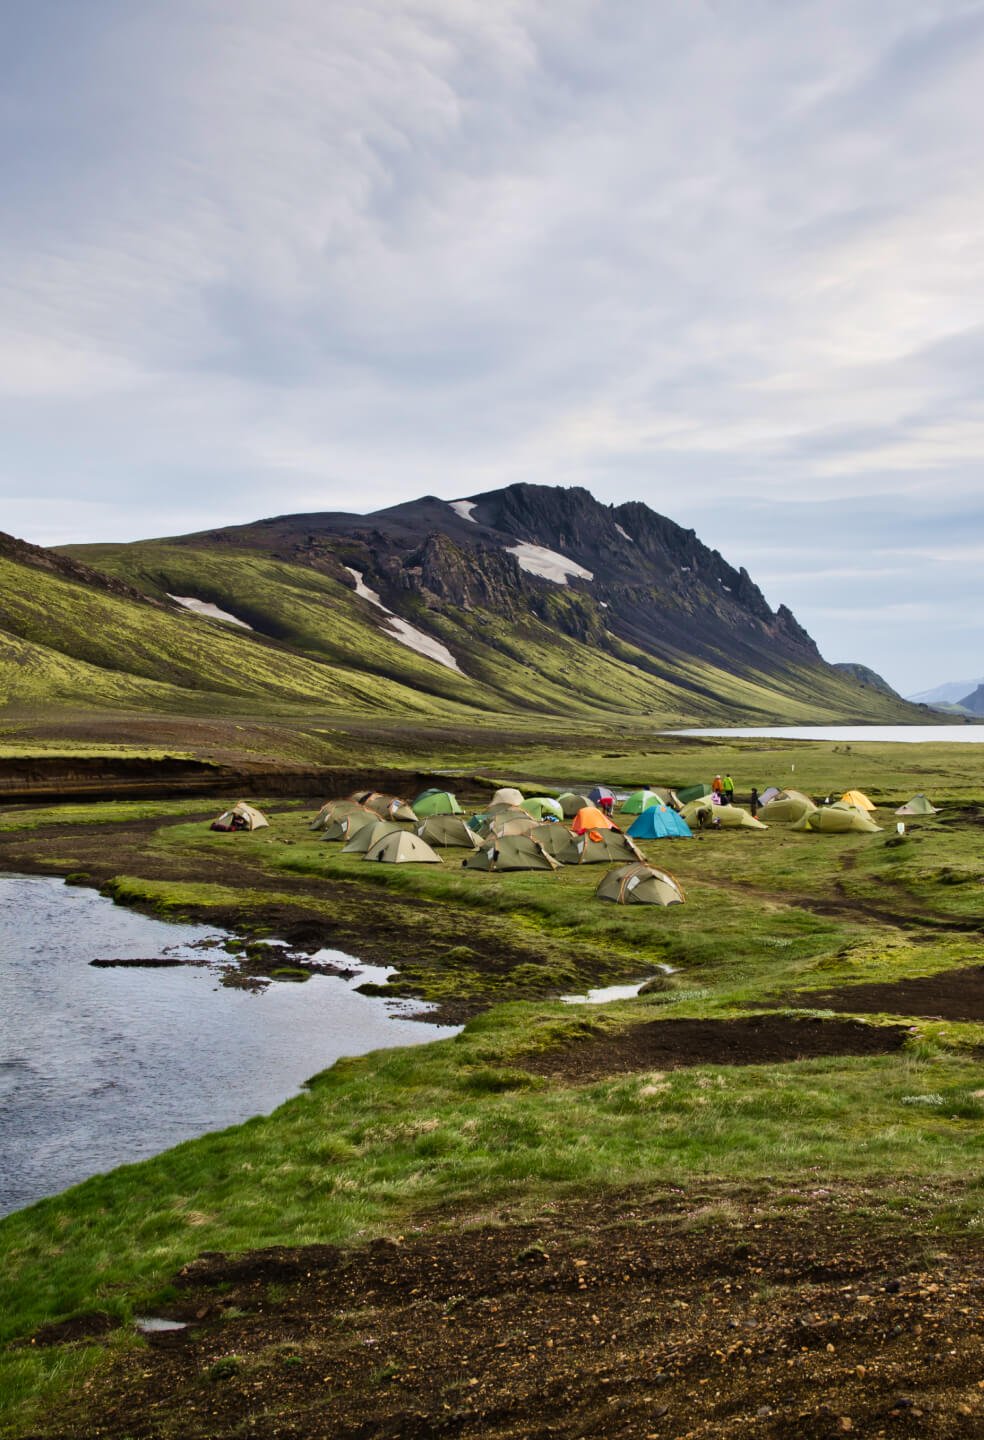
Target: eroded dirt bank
(698,1313)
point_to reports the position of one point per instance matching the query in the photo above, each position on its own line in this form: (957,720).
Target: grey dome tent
(402,847)
(640,885)
(510,852)
(571,802)
(447,830)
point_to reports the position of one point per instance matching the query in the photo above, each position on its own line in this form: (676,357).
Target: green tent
(402,847)
(510,852)
(917,806)
(703,815)
(638,801)
(447,830)
(838,820)
(540,805)
(692,792)
(640,885)
(436,802)
(558,841)
(595,847)
(571,802)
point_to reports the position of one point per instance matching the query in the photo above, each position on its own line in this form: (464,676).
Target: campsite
(778,1127)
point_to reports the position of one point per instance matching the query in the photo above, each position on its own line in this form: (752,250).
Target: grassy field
(475,1121)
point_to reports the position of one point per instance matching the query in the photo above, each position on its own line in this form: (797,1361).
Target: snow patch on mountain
(624,533)
(402,630)
(538,560)
(464,508)
(205,607)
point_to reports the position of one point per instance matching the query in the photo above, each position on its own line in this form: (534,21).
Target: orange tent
(590,818)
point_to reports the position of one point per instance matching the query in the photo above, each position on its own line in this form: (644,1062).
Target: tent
(333,810)
(725,817)
(571,802)
(770,793)
(510,852)
(241,817)
(601,847)
(918,805)
(858,799)
(601,792)
(787,807)
(838,820)
(401,847)
(513,824)
(640,885)
(496,815)
(541,805)
(436,802)
(638,801)
(447,830)
(692,792)
(345,826)
(389,807)
(659,822)
(590,819)
(360,840)
(508,795)
(559,842)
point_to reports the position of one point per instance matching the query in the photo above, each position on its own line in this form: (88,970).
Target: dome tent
(659,822)
(917,806)
(571,802)
(507,795)
(540,805)
(838,820)
(725,817)
(787,807)
(360,840)
(242,816)
(448,830)
(333,810)
(389,807)
(858,799)
(597,793)
(402,847)
(638,801)
(640,885)
(590,819)
(510,852)
(693,792)
(345,826)
(436,802)
(520,824)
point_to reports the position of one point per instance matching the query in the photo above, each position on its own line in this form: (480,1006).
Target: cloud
(724,259)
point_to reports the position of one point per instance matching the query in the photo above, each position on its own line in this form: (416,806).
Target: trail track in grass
(700,1312)
(754,1040)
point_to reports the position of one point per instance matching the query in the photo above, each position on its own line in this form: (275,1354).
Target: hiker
(606,804)
(716,788)
(753,802)
(728,790)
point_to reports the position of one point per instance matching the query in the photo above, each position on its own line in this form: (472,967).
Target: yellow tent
(858,799)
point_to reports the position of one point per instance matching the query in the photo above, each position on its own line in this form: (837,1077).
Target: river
(100,1067)
(852,734)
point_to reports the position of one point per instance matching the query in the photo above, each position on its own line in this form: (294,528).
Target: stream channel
(103,1066)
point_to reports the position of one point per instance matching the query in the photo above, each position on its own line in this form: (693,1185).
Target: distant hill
(950,693)
(531,598)
(974,702)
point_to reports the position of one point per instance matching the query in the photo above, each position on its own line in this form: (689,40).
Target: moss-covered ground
(472,1122)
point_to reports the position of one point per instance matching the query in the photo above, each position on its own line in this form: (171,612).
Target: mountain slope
(526,599)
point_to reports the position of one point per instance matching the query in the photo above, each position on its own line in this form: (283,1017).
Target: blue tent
(659,822)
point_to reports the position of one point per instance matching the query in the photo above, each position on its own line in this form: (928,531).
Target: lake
(100,1067)
(852,734)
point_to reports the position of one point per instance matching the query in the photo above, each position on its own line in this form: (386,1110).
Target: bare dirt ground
(755,1040)
(951,995)
(706,1313)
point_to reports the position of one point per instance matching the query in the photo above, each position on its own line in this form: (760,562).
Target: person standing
(753,802)
(728,790)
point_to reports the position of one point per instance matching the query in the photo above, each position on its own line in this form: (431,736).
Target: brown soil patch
(951,995)
(754,1040)
(696,1315)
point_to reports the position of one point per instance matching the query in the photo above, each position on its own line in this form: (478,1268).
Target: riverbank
(565,1131)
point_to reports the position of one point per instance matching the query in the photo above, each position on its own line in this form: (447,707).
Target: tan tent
(558,841)
(402,847)
(367,835)
(838,820)
(726,817)
(513,824)
(447,830)
(389,807)
(857,798)
(241,817)
(333,809)
(787,807)
(917,806)
(601,847)
(496,815)
(508,795)
(510,852)
(640,885)
(345,826)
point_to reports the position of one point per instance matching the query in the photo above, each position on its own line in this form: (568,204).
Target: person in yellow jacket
(728,790)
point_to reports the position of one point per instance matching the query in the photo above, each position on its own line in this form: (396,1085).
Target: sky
(722,256)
